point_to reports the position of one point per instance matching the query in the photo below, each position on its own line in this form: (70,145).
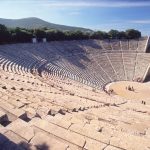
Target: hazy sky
(94,14)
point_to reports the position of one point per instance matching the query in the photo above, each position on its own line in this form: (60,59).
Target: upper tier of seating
(92,62)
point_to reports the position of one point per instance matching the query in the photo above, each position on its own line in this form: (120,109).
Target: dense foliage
(20,35)
(5,35)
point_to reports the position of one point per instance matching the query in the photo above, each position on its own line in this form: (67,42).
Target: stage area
(130,90)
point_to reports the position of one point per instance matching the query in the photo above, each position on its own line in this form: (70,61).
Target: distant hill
(32,23)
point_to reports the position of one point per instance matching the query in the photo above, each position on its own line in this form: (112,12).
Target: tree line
(22,35)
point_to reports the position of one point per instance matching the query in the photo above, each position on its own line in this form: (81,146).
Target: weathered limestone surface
(50,142)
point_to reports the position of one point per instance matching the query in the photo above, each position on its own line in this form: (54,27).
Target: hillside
(32,23)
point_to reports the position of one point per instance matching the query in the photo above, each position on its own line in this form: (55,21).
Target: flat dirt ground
(141,90)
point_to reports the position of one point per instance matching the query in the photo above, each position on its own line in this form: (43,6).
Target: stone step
(41,140)
(2,129)
(58,121)
(12,113)
(59,132)
(126,141)
(21,128)
(94,145)
(54,110)
(14,102)
(112,148)
(12,141)
(90,133)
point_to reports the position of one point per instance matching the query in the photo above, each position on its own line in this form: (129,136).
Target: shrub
(4,34)
(21,35)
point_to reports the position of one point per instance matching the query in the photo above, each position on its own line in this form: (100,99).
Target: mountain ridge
(33,23)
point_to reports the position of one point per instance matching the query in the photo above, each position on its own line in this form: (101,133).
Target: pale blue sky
(94,14)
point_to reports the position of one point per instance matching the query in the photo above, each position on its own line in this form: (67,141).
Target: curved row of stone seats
(77,105)
(124,45)
(89,73)
(18,66)
(106,125)
(58,71)
(66,104)
(76,90)
(68,48)
(106,45)
(50,76)
(24,51)
(26,77)
(58,47)
(27,59)
(31,81)
(74,73)
(79,47)
(142,63)
(99,70)
(103,61)
(64,82)
(142,44)
(61,70)
(31,51)
(89,67)
(96,70)
(130,64)
(72,47)
(53,108)
(36,49)
(118,65)
(74,66)
(15,102)
(129,61)
(49,50)
(115,44)
(37,67)
(5,62)
(97,45)
(90,46)
(133,45)
(105,128)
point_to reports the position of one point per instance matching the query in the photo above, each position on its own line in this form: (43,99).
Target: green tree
(20,35)
(99,35)
(122,35)
(77,35)
(133,34)
(4,34)
(53,35)
(113,34)
(39,34)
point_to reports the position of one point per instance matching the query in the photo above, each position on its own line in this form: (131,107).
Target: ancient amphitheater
(53,95)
